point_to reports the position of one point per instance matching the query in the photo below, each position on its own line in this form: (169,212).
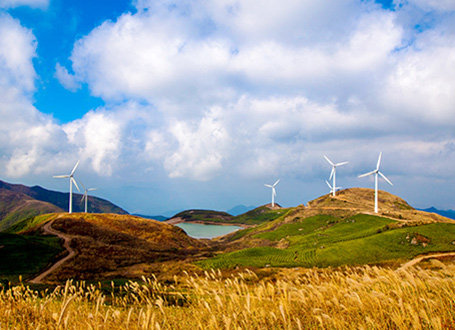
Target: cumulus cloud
(204,91)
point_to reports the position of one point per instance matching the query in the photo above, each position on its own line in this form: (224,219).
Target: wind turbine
(85,196)
(376,172)
(273,191)
(331,189)
(333,173)
(71,177)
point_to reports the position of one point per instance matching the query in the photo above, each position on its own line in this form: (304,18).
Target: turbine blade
(61,176)
(328,160)
(274,192)
(385,178)
(83,197)
(328,184)
(75,166)
(379,161)
(331,173)
(276,182)
(91,189)
(342,163)
(366,174)
(267,185)
(82,185)
(74,181)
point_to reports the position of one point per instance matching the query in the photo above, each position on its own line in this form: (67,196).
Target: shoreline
(176,221)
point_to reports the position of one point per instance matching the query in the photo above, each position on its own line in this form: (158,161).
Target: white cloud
(68,80)
(30,3)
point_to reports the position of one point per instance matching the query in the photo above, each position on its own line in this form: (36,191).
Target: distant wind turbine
(333,173)
(331,188)
(376,172)
(71,177)
(273,191)
(85,196)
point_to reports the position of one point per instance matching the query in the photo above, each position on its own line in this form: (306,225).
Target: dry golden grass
(348,298)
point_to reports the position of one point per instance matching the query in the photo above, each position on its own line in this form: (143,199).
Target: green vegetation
(325,241)
(260,215)
(28,223)
(26,255)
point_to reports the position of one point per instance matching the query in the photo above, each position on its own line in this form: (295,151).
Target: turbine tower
(273,191)
(331,188)
(85,196)
(333,173)
(71,177)
(376,172)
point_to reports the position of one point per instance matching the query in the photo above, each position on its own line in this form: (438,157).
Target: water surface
(196,230)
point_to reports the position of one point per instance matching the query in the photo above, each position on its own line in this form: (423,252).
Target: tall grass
(346,298)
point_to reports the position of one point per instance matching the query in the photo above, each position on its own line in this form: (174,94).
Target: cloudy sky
(172,105)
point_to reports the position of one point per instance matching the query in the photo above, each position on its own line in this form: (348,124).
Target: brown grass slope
(112,245)
(18,202)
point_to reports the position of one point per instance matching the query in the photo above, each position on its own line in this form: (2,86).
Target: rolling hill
(335,231)
(327,232)
(18,202)
(106,245)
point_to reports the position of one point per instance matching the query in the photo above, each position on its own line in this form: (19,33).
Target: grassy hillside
(22,255)
(112,245)
(15,206)
(334,231)
(18,202)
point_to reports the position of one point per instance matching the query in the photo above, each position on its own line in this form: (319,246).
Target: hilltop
(18,202)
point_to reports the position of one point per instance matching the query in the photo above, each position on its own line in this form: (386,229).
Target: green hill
(335,231)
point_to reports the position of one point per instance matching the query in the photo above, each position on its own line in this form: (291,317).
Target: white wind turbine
(331,189)
(333,173)
(85,196)
(70,176)
(376,172)
(273,191)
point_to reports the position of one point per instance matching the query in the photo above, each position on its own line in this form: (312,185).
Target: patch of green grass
(260,215)
(306,226)
(28,223)
(354,241)
(26,255)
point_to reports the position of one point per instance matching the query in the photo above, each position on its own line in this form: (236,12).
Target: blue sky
(194,104)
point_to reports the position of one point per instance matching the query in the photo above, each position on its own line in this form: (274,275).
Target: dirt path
(48,229)
(421,258)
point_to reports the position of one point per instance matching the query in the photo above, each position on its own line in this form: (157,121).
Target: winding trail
(48,229)
(424,257)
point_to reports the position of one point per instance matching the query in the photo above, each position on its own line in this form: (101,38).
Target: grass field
(325,240)
(345,298)
(26,255)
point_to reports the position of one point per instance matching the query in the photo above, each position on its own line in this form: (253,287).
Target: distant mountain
(240,209)
(447,213)
(152,217)
(18,202)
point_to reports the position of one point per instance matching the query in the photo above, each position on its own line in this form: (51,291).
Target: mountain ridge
(18,202)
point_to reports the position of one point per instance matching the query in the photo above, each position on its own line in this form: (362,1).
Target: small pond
(196,230)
